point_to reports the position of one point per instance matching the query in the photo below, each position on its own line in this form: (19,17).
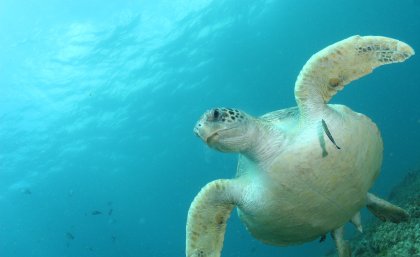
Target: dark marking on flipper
(327,131)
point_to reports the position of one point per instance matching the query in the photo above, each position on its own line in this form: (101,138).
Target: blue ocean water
(98,100)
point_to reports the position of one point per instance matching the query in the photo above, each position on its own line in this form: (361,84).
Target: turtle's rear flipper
(384,210)
(343,246)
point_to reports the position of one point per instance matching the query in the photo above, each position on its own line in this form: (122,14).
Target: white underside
(305,195)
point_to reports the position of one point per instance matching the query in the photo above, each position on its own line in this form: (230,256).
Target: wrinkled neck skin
(265,143)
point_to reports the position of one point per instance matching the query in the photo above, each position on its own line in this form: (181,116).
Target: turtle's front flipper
(384,210)
(207,218)
(343,246)
(332,68)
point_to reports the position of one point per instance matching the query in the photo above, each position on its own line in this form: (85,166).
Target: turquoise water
(98,100)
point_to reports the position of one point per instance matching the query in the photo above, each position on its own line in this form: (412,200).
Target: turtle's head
(225,129)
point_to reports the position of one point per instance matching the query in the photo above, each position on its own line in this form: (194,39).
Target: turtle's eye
(216,114)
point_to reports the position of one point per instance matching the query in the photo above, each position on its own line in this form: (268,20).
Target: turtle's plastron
(285,191)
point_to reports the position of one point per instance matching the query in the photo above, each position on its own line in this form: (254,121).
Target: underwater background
(98,100)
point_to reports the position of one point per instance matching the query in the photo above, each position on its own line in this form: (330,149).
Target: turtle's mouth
(211,137)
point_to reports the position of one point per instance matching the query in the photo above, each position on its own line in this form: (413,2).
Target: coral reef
(386,239)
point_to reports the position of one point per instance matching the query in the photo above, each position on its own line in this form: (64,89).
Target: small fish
(27,191)
(327,131)
(89,248)
(69,236)
(96,212)
(110,212)
(322,239)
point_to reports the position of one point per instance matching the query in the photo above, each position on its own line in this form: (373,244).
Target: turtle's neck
(265,144)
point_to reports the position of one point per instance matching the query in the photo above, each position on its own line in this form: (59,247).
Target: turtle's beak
(196,129)
(200,131)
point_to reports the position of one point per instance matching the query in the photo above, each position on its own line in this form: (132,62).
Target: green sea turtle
(304,171)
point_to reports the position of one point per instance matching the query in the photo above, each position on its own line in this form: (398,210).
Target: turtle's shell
(311,187)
